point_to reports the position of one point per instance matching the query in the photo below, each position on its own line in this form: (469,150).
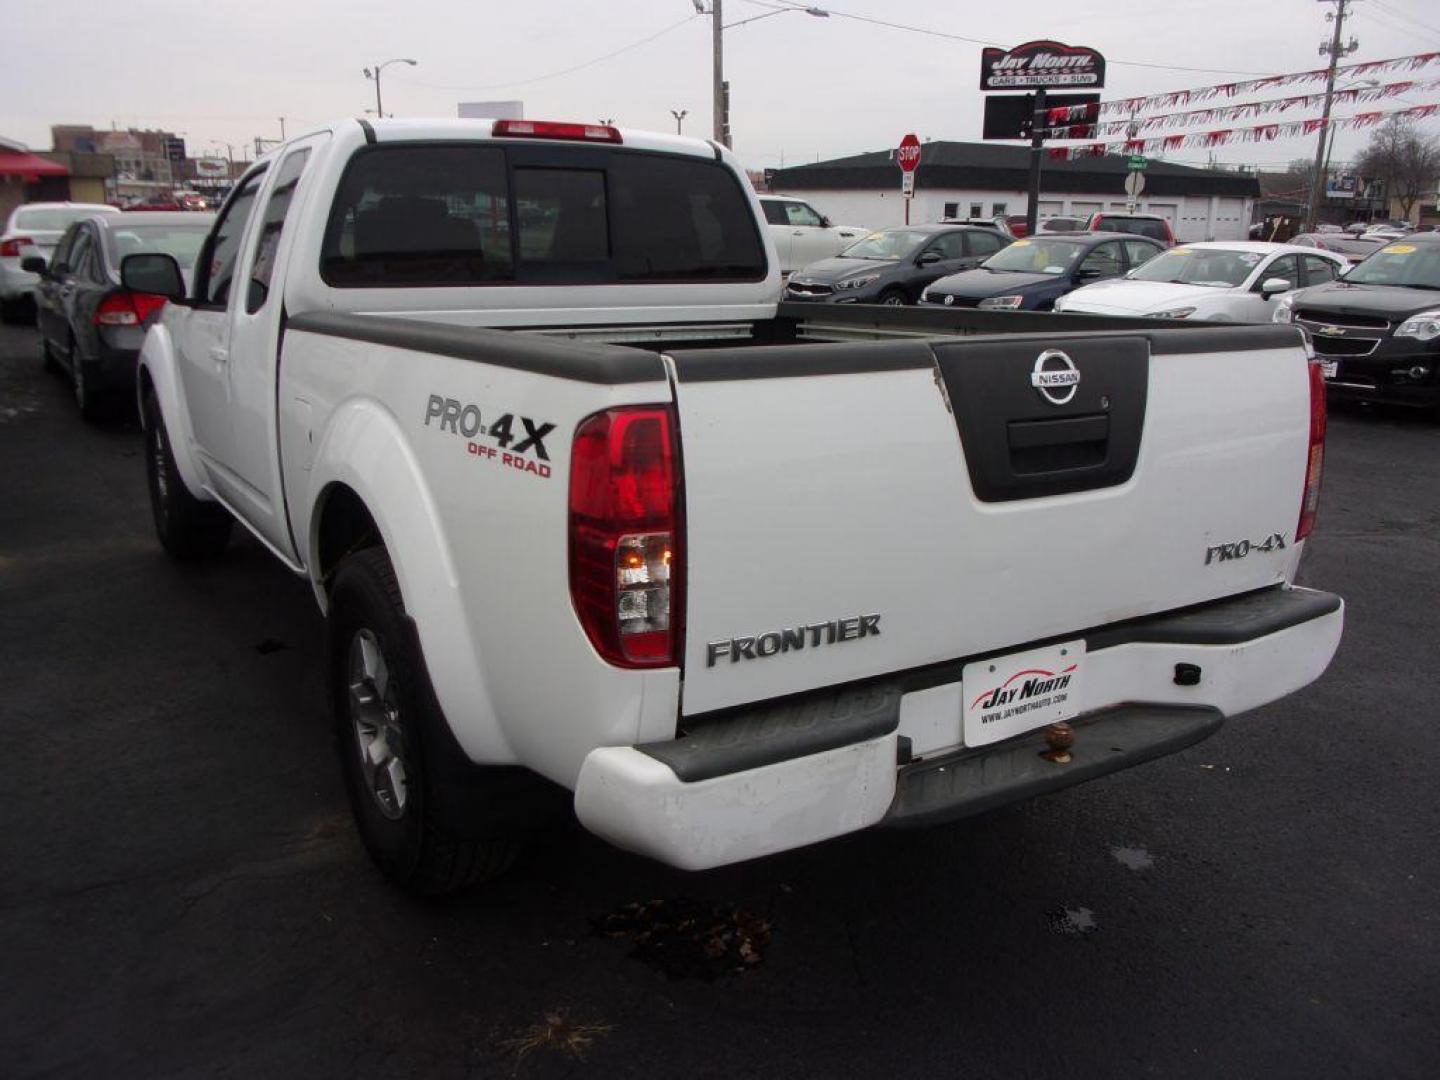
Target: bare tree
(1404,160)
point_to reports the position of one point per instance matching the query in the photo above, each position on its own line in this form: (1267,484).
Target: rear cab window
(486,214)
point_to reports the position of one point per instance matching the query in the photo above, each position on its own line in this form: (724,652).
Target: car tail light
(1315,461)
(127,309)
(11,248)
(626,547)
(554,129)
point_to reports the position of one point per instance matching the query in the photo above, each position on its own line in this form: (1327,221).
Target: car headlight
(857,282)
(1423,326)
(1001,303)
(1284,308)
(1171,313)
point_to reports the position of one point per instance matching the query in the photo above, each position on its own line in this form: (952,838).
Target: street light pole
(679,119)
(379,105)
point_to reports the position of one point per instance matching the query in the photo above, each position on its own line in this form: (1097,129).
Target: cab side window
(980,242)
(800,214)
(1318,270)
(223,247)
(1139,252)
(262,267)
(950,245)
(1287,267)
(81,249)
(61,256)
(775,213)
(1103,262)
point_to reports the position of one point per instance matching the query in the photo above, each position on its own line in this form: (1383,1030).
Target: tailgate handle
(1064,444)
(1027,434)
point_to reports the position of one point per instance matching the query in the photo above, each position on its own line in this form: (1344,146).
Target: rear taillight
(554,129)
(625,541)
(1315,462)
(11,248)
(127,309)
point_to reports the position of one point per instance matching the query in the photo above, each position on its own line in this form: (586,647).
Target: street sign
(907,184)
(1137,163)
(908,155)
(1134,183)
(1041,63)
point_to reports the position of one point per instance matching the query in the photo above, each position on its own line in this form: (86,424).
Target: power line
(1405,15)
(563,71)
(931,32)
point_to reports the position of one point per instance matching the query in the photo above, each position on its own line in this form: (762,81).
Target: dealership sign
(1039,64)
(211,167)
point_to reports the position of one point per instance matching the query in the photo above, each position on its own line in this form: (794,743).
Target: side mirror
(928,258)
(33,264)
(824,222)
(153,272)
(1089,273)
(1270,286)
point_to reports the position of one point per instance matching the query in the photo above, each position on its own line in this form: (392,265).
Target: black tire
(92,403)
(47,358)
(398,821)
(17,312)
(893,298)
(188,528)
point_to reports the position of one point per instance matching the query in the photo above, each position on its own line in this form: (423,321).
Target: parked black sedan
(893,266)
(89,325)
(1376,331)
(1031,274)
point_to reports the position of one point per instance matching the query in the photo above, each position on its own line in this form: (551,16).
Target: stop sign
(909,153)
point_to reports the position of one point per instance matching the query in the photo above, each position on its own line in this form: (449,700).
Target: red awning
(28,166)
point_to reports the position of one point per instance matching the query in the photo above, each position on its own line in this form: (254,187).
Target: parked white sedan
(1220,281)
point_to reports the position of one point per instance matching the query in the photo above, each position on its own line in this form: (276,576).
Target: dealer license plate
(1329,368)
(1009,695)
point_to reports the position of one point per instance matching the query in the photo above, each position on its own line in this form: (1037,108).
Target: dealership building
(958,180)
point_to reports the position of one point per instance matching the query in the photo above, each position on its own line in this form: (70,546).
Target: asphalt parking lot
(184,893)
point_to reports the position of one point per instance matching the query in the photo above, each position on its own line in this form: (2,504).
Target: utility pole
(1039,122)
(1335,51)
(720,89)
(282,129)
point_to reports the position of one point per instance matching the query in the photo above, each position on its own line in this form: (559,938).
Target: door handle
(219,354)
(797,232)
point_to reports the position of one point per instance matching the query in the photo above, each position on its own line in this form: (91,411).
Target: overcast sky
(802,87)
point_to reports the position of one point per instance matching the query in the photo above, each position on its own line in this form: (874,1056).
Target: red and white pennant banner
(1222,136)
(1075,115)
(1271,82)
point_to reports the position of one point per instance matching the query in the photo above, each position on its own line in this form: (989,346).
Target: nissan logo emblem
(1055,376)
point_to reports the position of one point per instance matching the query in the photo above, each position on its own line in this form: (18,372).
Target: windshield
(1220,268)
(1415,265)
(56,218)
(1038,256)
(891,244)
(181,241)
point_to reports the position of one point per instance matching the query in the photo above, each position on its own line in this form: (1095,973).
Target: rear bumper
(785,774)
(14,282)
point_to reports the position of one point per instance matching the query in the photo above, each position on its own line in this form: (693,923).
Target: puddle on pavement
(1133,858)
(1072,920)
(689,940)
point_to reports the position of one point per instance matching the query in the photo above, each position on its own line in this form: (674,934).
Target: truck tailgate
(859,509)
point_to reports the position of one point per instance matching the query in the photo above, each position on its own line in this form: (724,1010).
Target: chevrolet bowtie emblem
(1331,331)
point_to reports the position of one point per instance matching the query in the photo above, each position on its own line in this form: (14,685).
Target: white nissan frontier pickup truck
(590,514)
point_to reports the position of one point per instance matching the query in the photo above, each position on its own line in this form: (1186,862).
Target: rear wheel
(893,298)
(384,706)
(91,402)
(47,356)
(187,527)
